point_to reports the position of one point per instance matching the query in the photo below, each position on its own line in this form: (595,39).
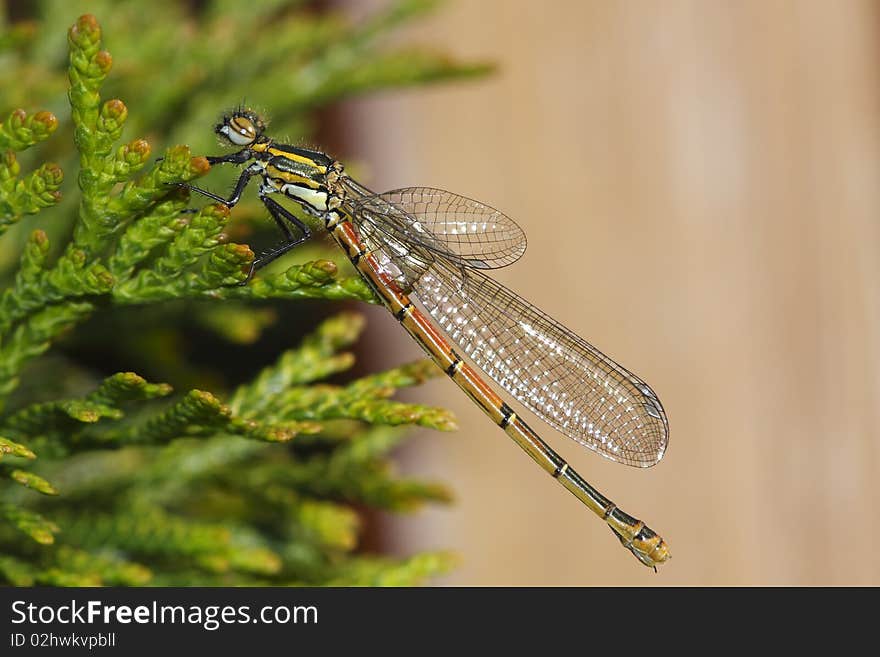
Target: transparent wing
(554,373)
(464,231)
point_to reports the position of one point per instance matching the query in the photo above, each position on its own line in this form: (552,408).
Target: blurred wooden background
(700,183)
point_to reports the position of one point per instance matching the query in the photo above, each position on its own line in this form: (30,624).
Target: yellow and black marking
(400,314)
(456,364)
(356,258)
(508,416)
(294,171)
(315,160)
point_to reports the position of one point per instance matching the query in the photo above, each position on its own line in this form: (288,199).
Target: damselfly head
(241,127)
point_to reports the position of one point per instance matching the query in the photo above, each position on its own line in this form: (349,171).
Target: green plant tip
(52,174)
(85,33)
(21,131)
(137,152)
(104,61)
(103,280)
(236,254)
(199,166)
(112,117)
(15,449)
(115,110)
(47,120)
(217,211)
(242,251)
(77,257)
(180,165)
(204,399)
(17,118)
(35,482)
(40,239)
(311,273)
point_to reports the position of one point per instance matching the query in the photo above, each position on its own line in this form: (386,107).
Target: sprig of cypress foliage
(115,479)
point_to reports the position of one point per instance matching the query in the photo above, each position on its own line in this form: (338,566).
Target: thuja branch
(116,479)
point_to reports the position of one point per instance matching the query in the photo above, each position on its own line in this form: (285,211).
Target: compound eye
(241,131)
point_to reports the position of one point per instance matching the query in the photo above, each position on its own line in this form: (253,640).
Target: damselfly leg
(280,214)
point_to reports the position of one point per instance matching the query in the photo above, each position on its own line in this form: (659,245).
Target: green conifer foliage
(246,470)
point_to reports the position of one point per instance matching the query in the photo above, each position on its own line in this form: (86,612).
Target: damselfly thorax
(424,252)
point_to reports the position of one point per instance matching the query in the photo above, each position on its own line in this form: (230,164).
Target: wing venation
(560,377)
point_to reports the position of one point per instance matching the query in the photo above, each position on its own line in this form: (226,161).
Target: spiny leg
(228,202)
(232,158)
(239,157)
(280,215)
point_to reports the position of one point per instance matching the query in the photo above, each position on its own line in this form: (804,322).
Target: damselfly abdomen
(426,249)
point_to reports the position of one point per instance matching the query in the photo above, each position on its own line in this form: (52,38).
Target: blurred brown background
(700,183)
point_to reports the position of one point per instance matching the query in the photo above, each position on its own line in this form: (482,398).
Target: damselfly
(435,246)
